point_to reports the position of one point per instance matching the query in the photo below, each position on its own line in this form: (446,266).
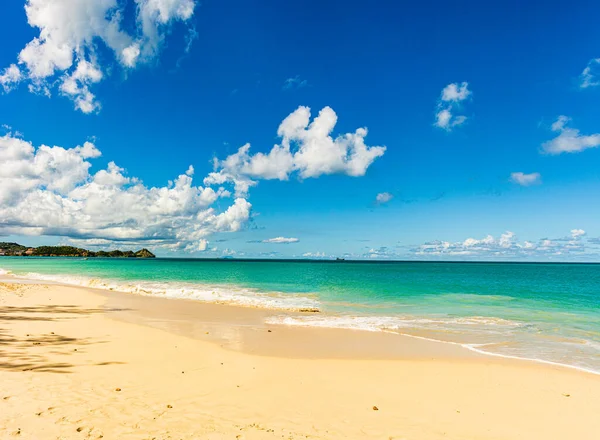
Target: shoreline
(382,344)
(123,379)
(246,329)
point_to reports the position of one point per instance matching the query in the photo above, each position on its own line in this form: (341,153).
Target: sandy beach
(76,363)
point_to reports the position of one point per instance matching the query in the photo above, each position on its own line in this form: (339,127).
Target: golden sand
(71,369)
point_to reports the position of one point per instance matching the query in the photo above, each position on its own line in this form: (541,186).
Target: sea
(549,313)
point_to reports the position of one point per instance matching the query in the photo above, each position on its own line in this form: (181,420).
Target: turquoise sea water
(547,312)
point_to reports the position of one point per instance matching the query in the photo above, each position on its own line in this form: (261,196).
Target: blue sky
(212,77)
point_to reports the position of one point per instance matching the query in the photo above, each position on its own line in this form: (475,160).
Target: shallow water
(549,312)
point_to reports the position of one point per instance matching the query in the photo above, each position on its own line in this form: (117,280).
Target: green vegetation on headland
(17,250)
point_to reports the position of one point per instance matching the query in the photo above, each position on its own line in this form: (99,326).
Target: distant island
(17,250)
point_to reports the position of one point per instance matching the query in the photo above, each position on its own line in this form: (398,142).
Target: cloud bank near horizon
(50,190)
(507,246)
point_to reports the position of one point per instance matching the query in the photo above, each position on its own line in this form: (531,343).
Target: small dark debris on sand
(375,408)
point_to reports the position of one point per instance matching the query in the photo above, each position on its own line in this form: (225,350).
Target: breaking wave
(218,294)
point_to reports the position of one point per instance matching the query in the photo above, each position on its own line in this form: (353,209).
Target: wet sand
(244,329)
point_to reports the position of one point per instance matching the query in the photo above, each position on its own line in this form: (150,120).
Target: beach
(78,363)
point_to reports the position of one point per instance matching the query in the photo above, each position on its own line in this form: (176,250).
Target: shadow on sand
(29,353)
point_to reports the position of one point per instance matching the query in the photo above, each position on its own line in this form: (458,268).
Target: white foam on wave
(381,323)
(395,325)
(4,272)
(218,294)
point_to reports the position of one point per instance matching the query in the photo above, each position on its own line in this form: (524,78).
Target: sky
(315,129)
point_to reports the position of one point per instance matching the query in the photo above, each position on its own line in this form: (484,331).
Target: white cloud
(446,120)
(449,103)
(380,253)
(589,76)
(76,86)
(455,92)
(153,15)
(294,83)
(50,191)
(306,147)
(69,33)
(10,77)
(569,140)
(130,55)
(281,240)
(560,123)
(314,255)
(198,246)
(443,118)
(525,179)
(507,246)
(383,197)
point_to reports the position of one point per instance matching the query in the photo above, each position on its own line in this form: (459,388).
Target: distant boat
(340,259)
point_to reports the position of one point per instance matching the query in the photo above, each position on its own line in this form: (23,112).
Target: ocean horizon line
(313,260)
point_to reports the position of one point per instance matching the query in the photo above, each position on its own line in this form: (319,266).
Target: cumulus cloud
(76,86)
(51,191)
(306,148)
(67,43)
(569,140)
(455,92)
(10,77)
(506,246)
(526,179)
(449,104)
(589,76)
(281,240)
(383,197)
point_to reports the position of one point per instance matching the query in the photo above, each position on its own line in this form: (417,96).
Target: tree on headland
(11,248)
(15,249)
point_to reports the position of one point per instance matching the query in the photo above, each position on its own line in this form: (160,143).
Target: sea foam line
(324,322)
(216,294)
(475,348)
